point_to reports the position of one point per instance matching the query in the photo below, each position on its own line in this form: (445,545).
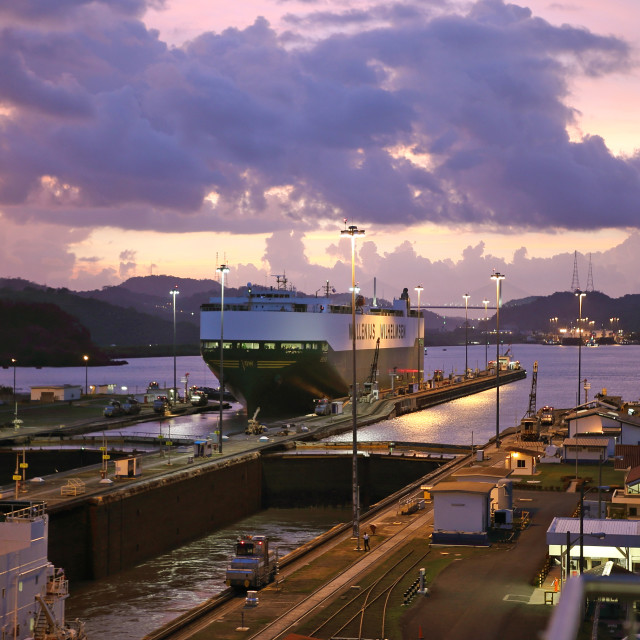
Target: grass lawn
(55,414)
(558,476)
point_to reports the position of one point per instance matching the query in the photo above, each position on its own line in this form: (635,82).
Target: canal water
(131,604)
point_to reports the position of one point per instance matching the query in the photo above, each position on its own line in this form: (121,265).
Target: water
(133,603)
(133,377)
(462,421)
(129,605)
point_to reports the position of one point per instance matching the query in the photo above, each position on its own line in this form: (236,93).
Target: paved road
(491,595)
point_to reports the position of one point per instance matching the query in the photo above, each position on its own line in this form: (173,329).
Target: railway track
(377,594)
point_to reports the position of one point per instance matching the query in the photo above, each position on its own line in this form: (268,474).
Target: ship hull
(289,388)
(281,362)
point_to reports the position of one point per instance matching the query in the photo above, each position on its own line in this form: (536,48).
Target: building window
(633,511)
(521,464)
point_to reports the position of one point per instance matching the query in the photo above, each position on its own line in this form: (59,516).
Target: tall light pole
(354,232)
(485,302)
(419,289)
(15,398)
(579,295)
(466,297)
(222,270)
(174,292)
(86,374)
(498,277)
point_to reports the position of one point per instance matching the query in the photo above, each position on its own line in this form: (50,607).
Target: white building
(56,393)
(461,512)
(602,540)
(585,449)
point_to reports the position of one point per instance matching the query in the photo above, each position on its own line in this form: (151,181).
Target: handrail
(567,616)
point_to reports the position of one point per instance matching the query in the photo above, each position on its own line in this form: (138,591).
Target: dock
(100,528)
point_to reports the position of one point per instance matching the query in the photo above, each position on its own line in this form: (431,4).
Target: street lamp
(485,302)
(354,232)
(579,294)
(222,270)
(466,297)
(174,292)
(419,289)
(86,374)
(498,277)
(15,399)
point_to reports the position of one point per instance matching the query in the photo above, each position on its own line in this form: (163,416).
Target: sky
(144,137)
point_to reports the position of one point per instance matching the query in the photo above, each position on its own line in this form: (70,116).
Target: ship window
(227,345)
(211,344)
(250,345)
(270,346)
(292,346)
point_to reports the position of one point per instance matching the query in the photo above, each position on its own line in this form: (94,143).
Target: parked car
(113,409)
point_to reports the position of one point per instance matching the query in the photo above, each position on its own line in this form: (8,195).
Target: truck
(113,409)
(161,404)
(254,565)
(323,407)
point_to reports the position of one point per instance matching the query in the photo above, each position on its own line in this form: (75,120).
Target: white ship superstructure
(33,591)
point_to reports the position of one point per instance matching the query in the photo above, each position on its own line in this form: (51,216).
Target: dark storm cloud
(59,10)
(450,119)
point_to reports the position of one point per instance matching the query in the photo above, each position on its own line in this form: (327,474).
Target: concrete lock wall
(93,538)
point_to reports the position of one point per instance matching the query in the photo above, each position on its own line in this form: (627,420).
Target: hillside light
(498,277)
(419,289)
(485,302)
(466,297)
(86,374)
(222,270)
(174,292)
(354,232)
(579,294)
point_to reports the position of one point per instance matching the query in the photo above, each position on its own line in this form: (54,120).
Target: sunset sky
(148,137)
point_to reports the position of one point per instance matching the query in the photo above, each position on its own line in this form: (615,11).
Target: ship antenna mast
(575,282)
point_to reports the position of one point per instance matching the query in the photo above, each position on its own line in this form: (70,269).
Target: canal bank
(104,529)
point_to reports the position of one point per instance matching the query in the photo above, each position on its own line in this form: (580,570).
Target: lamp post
(174,292)
(86,374)
(498,277)
(580,295)
(222,270)
(354,232)
(580,537)
(15,399)
(419,289)
(485,302)
(466,333)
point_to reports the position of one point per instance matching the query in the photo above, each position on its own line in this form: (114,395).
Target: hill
(109,324)
(41,334)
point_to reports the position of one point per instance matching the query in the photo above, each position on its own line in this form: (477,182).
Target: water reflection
(133,603)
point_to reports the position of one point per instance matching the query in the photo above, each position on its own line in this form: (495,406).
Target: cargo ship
(283,349)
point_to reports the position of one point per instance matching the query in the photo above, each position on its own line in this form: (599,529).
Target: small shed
(521,461)
(585,449)
(461,512)
(204,448)
(128,467)
(56,393)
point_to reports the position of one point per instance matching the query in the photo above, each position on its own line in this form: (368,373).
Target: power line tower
(590,276)
(575,282)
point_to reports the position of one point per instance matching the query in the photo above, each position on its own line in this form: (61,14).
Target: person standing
(365,537)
